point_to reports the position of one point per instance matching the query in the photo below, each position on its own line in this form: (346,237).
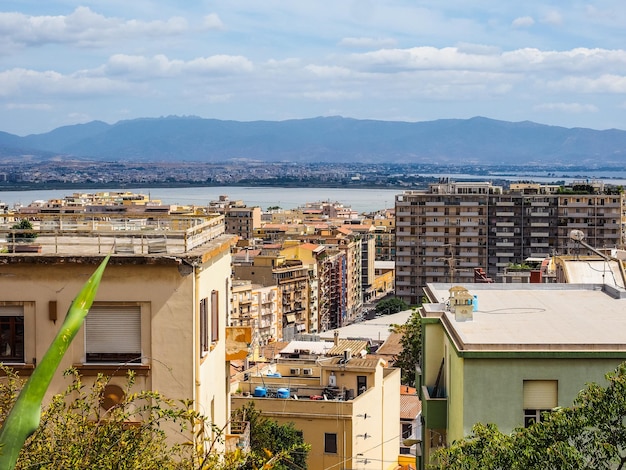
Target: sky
(560,62)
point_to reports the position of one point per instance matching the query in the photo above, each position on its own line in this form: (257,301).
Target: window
(407,430)
(330,443)
(361,383)
(12,333)
(113,334)
(539,396)
(204,326)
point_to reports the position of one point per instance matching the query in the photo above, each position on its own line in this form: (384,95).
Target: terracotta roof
(355,346)
(410,406)
(309,246)
(272,350)
(391,346)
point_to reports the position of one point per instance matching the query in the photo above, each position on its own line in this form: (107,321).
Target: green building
(503,353)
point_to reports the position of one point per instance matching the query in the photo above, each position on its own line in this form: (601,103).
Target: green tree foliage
(23,234)
(273,445)
(411,343)
(76,432)
(591,434)
(392,305)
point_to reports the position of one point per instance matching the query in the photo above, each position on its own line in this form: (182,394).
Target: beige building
(161,313)
(348,408)
(256,306)
(385,235)
(292,280)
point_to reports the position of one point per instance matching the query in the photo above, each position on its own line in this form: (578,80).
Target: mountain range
(477,140)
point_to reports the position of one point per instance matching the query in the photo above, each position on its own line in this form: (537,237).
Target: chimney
(336,338)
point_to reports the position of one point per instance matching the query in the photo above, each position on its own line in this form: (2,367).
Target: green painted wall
(491,390)
(456,391)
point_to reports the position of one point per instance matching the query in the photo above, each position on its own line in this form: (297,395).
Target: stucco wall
(493,388)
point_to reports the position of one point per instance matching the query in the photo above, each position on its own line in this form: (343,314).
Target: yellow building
(160,314)
(347,407)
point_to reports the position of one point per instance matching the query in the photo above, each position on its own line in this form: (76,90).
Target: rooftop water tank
(260,392)
(282,393)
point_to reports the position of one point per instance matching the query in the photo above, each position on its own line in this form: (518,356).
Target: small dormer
(461,303)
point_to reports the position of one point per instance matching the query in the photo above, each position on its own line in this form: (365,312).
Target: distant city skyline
(66,62)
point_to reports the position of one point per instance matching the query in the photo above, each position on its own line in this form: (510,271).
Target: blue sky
(553,62)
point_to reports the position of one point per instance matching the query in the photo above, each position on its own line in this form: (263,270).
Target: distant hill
(326,139)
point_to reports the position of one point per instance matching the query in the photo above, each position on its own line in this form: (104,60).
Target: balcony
(239,437)
(434,409)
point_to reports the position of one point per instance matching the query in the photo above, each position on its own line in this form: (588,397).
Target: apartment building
(347,405)
(256,306)
(291,277)
(443,233)
(385,235)
(242,220)
(159,313)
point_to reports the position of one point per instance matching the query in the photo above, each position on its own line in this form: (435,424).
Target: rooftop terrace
(94,234)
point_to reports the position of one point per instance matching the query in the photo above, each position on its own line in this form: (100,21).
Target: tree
(77,432)
(411,343)
(589,434)
(273,445)
(389,306)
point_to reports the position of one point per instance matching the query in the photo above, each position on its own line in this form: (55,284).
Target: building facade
(347,408)
(447,231)
(506,353)
(161,315)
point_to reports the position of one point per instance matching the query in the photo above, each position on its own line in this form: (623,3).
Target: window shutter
(540,394)
(215,316)
(12,311)
(113,330)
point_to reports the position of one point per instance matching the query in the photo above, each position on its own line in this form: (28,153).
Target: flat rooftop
(536,317)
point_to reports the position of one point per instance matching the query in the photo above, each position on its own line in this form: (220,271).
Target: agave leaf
(24,417)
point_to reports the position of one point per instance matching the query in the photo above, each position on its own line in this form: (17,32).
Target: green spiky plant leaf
(24,417)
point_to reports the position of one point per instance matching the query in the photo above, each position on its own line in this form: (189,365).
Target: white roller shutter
(11,311)
(113,330)
(540,394)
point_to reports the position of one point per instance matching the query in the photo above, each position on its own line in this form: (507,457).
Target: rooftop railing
(91,235)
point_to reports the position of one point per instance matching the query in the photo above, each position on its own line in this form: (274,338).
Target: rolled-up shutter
(113,333)
(540,394)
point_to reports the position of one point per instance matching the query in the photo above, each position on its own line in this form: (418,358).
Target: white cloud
(212,21)
(553,17)
(577,108)
(603,84)
(331,95)
(83,27)
(159,66)
(368,43)
(17,82)
(523,22)
(30,106)
(325,71)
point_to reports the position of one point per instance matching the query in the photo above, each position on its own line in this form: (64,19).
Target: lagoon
(361,200)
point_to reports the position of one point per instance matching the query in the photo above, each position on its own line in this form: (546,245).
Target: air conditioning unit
(294,371)
(307,371)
